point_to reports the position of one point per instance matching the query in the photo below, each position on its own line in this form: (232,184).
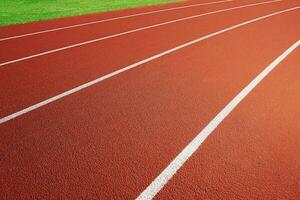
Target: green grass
(22,11)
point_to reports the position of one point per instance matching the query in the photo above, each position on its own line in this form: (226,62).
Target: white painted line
(161,180)
(131,31)
(81,87)
(112,19)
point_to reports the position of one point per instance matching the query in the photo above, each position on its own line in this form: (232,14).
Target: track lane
(85,138)
(254,154)
(23,47)
(110,19)
(51,75)
(8,31)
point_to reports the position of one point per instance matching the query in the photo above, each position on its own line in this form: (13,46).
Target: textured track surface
(110,140)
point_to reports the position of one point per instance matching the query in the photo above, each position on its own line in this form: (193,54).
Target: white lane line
(112,19)
(131,31)
(161,180)
(93,82)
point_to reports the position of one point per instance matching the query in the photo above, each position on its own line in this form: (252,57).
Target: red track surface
(111,140)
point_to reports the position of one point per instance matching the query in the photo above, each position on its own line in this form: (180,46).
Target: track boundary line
(112,19)
(112,74)
(132,31)
(162,179)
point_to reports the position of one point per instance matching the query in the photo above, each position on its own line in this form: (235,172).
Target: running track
(141,132)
